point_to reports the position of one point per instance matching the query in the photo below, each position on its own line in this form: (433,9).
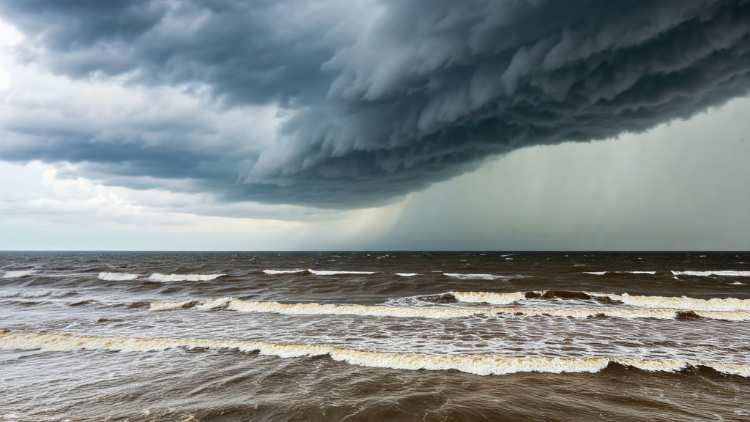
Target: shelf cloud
(345,104)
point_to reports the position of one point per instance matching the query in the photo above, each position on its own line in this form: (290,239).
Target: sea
(374,336)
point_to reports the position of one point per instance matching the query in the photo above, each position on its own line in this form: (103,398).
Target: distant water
(374,336)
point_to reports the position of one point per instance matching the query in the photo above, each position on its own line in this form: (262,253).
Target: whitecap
(169,306)
(479,364)
(446,312)
(329,272)
(407,274)
(462,276)
(682,303)
(183,277)
(708,273)
(19,274)
(117,276)
(620,272)
(292,271)
(489,297)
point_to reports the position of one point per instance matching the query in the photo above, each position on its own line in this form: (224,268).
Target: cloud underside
(359,102)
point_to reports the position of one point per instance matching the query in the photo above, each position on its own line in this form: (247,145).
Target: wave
(407,274)
(488,297)
(294,271)
(329,272)
(485,364)
(117,276)
(19,274)
(168,306)
(687,303)
(657,302)
(709,273)
(184,277)
(620,272)
(462,276)
(446,312)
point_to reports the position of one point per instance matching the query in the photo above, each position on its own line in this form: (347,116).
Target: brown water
(374,336)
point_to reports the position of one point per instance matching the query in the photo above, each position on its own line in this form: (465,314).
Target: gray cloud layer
(379,98)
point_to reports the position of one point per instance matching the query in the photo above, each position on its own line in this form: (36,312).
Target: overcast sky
(369,124)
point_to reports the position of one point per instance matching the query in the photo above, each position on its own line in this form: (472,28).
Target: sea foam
(117,276)
(18,274)
(331,272)
(293,271)
(709,273)
(183,277)
(463,276)
(480,364)
(445,312)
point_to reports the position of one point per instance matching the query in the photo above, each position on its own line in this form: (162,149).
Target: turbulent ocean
(374,336)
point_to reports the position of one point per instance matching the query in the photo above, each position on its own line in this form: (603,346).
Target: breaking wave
(18,274)
(407,274)
(485,364)
(328,272)
(619,272)
(688,303)
(183,277)
(666,302)
(462,276)
(445,312)
(117,276)
(294,271)
(488,297)
(709,273)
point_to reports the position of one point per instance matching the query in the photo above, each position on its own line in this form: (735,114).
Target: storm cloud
(352,103)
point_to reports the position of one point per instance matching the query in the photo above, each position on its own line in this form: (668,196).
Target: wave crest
(294,271)
(445,312)
(330,272)
(709,273)
(18,274)
(462,276)
(117,276)
(486,364)
(184,277)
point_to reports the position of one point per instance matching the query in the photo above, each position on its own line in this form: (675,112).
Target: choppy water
(374,336)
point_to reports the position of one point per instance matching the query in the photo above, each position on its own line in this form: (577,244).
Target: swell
(486,364)
(444,312)
(640,301)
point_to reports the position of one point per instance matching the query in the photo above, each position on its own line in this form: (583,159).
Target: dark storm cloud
(384,98)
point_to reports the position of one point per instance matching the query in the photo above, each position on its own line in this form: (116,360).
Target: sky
(366,124)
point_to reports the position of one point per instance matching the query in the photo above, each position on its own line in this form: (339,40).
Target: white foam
(461,276)
(489,297)
(117,276)
(351,309)
(484,364)
(719,273)
(682,303)
(329,272)
(168,306)
(445,312)
(407,274)
(619,272)
(294,271)
(737,283)
(18,274)
(183,277)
